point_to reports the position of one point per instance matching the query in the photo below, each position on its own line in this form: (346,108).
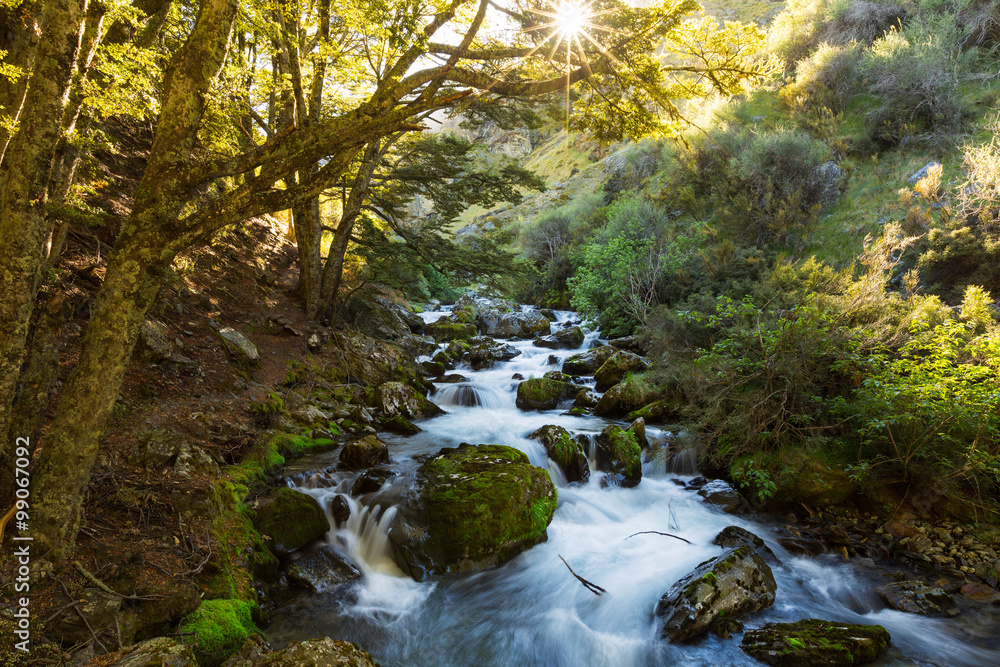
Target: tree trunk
(19,38)
(308,235)
(24,230)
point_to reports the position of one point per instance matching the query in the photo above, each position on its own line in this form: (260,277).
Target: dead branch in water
(656,532)
(590,586)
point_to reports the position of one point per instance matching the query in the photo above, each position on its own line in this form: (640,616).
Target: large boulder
(516,325)
(656,412)
(448,328)
(587,363)
(816,643)
(628,343)
(364,453)
(98,607)
(565,339)
(619,455)
(726,587)
(290,518)
(396,398)
(917,597)
(723,496)
(483,352)
(473,508)
(157,652)
(731,537)
(565,451)
(616,368)
(321,569)
(376,316)
(324,652)
(154,342)
(544,393)
(363,358)
(239,348)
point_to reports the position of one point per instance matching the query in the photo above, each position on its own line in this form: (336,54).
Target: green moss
(464,315)
(543,393)
(218,628)
(623,447)
(449,331)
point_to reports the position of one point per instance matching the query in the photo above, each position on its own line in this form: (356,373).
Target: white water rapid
(532,611)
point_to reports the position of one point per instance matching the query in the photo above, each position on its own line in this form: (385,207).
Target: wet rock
(290,518)
(616,367)
(516,376)
(721,495)
(433,368)
(628,343)
(917,597)
(638,428)
(473,508)
(732,537)
(157,652)
(321,569)
(448,329)
(805,546)
(321,653)
(483,352)
(565,451)
(97,606)
(732,585)
(452,378)
(586,399)
(898,530)
(543,393)
(656,412)
(816,643)
(340,509)
(396,398)
(979,592)
(400,426)
(586,363)
(564,339)
(553,360)
(619,455)
(515,325)
(371,481)
(548,313)
(157,448)
(364,453)
(239,348)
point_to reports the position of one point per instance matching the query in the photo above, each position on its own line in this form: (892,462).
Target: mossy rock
(156,652)
(587,363)
(218,628)
(364,453)
(396,398)
(291,519)
(400,426)
(619,455)
(656,412)
(729,586)
(319,653)
(475,507)
(543,393)
(816,643)
(446,329)
(565,339)
(483,352)
(616,368)
(565,451)
(810,480)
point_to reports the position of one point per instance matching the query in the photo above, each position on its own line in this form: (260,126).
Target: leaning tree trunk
(308,235)
(24,230)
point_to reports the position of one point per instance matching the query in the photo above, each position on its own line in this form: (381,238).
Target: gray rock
(638,428)
(377,316)
(567,339)
(721,495)
(319,653)
(323,568)
(483,352)
(314,343)
(516,325)
(921,173)
(194,461)
(629,344)
(154,342)
(827,178)
(157,652)
(364,453)
(918,597)
(731,537)
(586,363)
(816,643)
(396,398)
(586,399)
(157,448)
(616,368)
(239,347)
(310,415)
(729,586)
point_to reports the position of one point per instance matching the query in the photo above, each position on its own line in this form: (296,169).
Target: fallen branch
(656,532)
(590,586)
(104,587)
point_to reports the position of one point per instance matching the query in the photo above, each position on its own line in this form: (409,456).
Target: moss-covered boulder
(616,368)
(483,352)
(290,518)
(657,412)
(396,398)
(452,354)
(619,455)
(816,643)
(565,451)
(364,453)
(585,399)
(218,628)
(448,328)
(473,508)
(517,325)
(240,349)
(587,363)
(544,393)
(374,361)
(624,397)
(810,480)
(729,586)
(157,652)
(400,426)
(376,316)
(324,652)
(569,338)
(918,597)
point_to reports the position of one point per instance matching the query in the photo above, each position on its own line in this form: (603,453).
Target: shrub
(828,78)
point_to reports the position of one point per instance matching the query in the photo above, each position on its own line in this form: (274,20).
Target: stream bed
(531,610)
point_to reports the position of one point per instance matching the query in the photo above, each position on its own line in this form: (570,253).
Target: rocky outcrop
(363,453)
(290,518)
(376,316)
(655,412)
(616,367)
(544,393)
(473,508)
(363,358)
(816,643)
(619,455)
(565,451)
(157,652)
(729,586)
(917,597)
(586,363)
(564,339)
(447,329)
(514,325)
(396,398)
(98,607)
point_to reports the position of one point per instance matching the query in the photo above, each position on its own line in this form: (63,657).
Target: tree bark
(19,38)
(24,230)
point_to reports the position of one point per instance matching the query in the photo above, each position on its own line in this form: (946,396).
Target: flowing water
(532,611)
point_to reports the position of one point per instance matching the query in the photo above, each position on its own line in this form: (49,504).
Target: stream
(531,610)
